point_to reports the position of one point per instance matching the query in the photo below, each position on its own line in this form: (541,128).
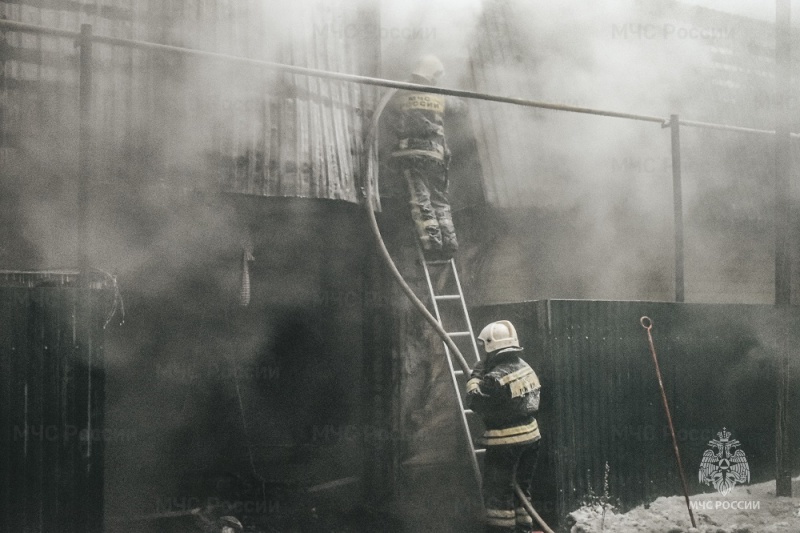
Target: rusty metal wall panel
(169,120)
(601,403)
(51,413)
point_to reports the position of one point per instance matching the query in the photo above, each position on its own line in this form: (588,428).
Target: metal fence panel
(51,409)
(601,403)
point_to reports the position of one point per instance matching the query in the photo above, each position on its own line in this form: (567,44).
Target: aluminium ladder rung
(473,452)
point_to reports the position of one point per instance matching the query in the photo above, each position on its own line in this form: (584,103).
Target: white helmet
(430,68)
(499,335)
(229,524)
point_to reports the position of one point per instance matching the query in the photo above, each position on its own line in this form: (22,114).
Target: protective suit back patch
(423,102)
(525,383)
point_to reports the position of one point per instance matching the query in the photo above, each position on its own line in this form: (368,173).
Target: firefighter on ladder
(420,157)
(504,390)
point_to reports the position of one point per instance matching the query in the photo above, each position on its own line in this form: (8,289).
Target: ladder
(460,336)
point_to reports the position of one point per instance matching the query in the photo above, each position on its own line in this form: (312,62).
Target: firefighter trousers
(430,208)
(504,512)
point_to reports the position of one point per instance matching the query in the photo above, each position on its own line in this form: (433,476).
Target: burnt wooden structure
(196,165)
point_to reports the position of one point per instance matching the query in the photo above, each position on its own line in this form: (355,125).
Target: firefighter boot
(444,217)
(423,215)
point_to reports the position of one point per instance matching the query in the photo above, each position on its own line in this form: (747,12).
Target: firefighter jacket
(416,120)
(504,391)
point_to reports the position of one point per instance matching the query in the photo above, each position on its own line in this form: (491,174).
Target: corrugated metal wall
(501,65)
(52,387)
(601,403)
(165,119)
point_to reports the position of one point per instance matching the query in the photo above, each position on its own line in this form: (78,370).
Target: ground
(747,509)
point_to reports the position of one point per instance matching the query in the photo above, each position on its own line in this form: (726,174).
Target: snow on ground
(747,509)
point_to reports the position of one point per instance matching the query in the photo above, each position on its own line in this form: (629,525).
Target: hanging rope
(118,304)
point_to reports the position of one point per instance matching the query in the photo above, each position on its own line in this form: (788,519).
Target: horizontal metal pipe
(366,80)
(13,25)
(725,127)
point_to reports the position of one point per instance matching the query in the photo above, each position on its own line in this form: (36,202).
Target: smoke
(195,382)
(600,188)
(746,8)
(587,199)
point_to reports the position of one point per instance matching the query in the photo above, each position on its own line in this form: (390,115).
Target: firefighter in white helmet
(421,158)
(504,390)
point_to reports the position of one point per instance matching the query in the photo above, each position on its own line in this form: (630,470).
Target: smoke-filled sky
(576,56)
(616,174)
(760,9)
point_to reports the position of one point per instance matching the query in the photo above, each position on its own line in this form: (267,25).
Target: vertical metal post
(783,291)
(85,147)
(677,202)
(90,453)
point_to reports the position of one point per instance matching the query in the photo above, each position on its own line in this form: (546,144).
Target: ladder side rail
(473,457)
(432,294)
(466,313)
(462,412)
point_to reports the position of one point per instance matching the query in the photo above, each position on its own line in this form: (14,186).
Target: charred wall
(264,410)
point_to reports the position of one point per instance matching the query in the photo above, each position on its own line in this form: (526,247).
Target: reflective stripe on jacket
(505,392)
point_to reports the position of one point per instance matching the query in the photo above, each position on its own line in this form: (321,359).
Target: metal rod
(648,325)
(366,80)
(782,154)
(13,25)
(725,127)
(84,149)
(783,289)
(677,202)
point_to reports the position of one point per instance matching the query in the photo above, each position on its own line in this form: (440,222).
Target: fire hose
(371,141)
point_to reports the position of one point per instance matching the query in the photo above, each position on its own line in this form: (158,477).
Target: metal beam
(85,164)
(366,80)
(783,289)
(677,203)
